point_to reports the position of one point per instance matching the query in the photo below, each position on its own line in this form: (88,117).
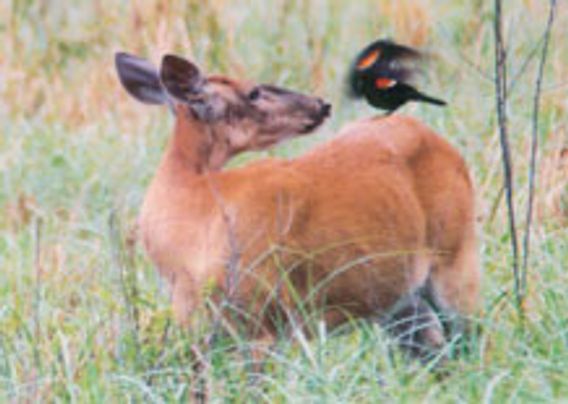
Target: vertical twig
(127,282)
(534,147)
(200,388)
(37,303)
(501,98)
(38,278)
(233,262)
(163,353)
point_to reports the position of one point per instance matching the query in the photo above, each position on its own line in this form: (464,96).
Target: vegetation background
(84,317)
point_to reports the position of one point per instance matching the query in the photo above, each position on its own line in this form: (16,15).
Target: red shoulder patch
(368,59)
(383,83)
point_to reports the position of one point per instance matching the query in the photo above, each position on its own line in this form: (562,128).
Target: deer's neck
(177,201)
(194,149)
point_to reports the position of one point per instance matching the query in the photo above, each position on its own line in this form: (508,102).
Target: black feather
(393,64)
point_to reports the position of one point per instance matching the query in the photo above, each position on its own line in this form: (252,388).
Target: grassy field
(84,317)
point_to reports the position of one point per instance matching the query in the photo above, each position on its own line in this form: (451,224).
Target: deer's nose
(325,108)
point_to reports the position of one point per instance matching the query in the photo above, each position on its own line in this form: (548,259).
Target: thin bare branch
(37,370)
(127,280)
(526,63)
(534,146)
(501,91)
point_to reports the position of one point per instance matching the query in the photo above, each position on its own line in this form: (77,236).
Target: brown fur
(377,223)
(388,192)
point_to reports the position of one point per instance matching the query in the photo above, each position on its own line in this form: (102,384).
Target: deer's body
(380,213)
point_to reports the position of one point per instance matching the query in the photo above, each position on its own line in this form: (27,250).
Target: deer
(375,224)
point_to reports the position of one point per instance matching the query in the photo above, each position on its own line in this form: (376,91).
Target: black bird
(381,72)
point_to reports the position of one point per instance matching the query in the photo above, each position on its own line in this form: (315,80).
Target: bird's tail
(431,100)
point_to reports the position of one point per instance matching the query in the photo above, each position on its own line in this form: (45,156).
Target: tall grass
(84,317)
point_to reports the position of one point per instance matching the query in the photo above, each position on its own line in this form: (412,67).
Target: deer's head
(244,115)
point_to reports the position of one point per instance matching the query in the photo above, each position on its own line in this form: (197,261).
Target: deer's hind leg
(453,289)
(416,328)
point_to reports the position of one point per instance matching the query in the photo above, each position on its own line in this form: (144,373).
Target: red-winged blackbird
(381,72)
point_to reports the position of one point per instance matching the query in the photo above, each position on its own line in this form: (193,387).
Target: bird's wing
(383,60)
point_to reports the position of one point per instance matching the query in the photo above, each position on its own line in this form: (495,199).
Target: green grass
(83,315)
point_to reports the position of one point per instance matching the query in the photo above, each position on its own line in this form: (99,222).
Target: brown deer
(377,223)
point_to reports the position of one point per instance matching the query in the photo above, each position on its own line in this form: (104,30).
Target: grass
(83,315)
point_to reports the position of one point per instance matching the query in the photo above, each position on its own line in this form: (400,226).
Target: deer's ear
(140,78)
(180,77)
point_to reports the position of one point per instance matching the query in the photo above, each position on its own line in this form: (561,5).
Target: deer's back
(368,152)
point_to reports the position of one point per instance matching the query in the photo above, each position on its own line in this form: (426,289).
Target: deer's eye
(254,94)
